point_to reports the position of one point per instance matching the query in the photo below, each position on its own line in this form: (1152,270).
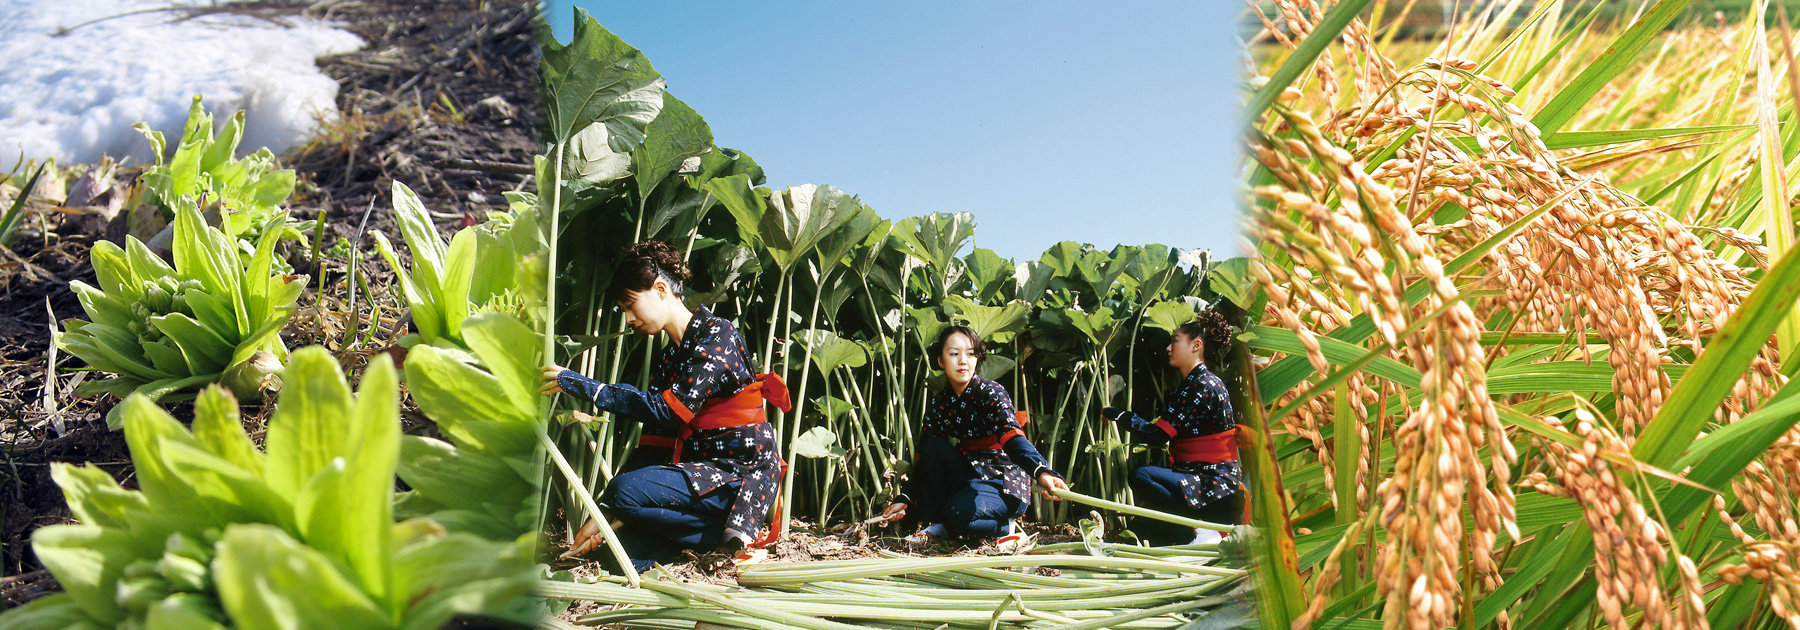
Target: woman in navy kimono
(972,475)
(706,471)
(1203,480)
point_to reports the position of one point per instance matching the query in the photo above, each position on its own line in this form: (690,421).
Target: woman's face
(958,359)
(647,311)
(1185,350)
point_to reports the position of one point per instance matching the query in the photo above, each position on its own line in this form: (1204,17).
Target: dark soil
(441,98)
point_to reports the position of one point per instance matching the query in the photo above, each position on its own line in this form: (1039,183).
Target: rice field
(1526,291)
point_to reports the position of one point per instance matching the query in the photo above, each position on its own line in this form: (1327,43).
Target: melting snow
(76,96)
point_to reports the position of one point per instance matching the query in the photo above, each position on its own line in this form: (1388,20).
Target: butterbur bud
(253,376)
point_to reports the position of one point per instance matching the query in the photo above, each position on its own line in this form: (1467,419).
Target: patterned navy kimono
(984,410)
(1200,406)
(711,362)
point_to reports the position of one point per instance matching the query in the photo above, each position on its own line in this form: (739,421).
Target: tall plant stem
(793,433)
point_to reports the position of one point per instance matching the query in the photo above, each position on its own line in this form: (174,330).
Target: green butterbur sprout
(203,170)
(167,330)
(223,535)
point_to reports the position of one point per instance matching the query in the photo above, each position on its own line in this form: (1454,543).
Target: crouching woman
(703,416)
(973,471)
(1203,480)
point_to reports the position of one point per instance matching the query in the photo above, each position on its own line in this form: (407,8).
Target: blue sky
(1094,122)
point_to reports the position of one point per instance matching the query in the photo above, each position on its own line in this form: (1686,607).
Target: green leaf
(450,391)
(93,496)
(459,271)
(56,611)
(1230,279)
(219,430)
(422,241)
(1168,316)
(184,167)
(223,492)
(597,78)
(988,272)
(87,561)
(677,133)
(184,611)
(830,351)
(935,238)
(993,323)
(225,145)
(268,580)
(509,350)
(202,350)
(799,217)
(346,509)
(1297,63)
(818,442)
(448,476)
(311,426)
(1584,139)
(1618,58)
(426,311)
(147,430)
(460,573)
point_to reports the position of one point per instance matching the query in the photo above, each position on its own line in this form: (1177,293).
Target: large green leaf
(1167,316)
(830,352)
(87,561)
(312,425)
(799,217)
(266,579)
(460,573)
(935,238)
(223,492)
(677,133)
(94,497)
(220,431)
(56,611)
(345,510)
(996,324)
(597,78)
(450,391)
(508,349)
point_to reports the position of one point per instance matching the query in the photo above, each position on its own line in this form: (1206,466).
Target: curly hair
(1211,328)
(642,265)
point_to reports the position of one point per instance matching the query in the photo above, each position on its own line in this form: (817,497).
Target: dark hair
(1211,329)
(937,347)
(642,265)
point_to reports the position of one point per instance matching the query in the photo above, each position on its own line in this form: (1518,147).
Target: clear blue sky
(1094,122)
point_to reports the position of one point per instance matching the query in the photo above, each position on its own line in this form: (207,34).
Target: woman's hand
(549,374)
(585,540)
(1052,484)
(893,513)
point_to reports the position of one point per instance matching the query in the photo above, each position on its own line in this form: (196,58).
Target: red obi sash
(992,442)
(1212,448)
(741,409)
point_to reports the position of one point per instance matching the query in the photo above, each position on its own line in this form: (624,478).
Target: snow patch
(75,97)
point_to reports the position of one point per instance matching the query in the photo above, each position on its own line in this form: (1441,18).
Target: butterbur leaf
(677,133)
(94,497)
(597,78)
(992,323)
(459,271)
(818,442)
(147,429)
(311,426)
(346,508)
(220,432)
(57,611)
(445,575)
(266,579)
(202,350)
(1168,316)
(442,473)
(87,561)
(421,239)
(830,351)
(450,391)
(222,491)
(511,351)
(425,309)
(184,611)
